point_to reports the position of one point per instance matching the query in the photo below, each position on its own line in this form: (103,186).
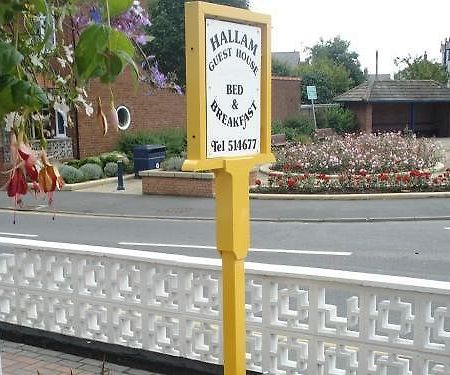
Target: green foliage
(75,163)
(92,160)
(168,29)
(337,51)
(292,131)
(103,52)
(341,119)
(330,79)
(113,157)
(301,128)
(16,93)
(282,69)
(70,174)
(173,164)
(174,139)
(92,171)
(110,169)
(420,68)
(117,7)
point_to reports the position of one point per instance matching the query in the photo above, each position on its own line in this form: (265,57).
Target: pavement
(22,359)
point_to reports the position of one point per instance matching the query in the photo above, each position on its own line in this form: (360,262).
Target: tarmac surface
(22,359)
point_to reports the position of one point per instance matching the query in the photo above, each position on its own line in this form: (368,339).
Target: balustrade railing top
(299,320)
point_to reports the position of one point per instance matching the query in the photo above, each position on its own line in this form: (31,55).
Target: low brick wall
(181,183)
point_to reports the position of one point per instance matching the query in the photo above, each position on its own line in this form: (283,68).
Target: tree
(282,69)
(330,79)
(420,68)
(337,50)
(168,29)
(40,69)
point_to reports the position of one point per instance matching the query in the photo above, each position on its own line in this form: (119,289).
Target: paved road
(204,208)
(407,248)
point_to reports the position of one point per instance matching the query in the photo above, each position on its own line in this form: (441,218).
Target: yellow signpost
(228,76)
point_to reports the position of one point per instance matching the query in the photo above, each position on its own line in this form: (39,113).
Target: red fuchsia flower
(362,172)
(398,177)
(291,182)
(405,178)
(415,173)
(258,182)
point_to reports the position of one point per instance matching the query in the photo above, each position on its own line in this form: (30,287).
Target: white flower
(61,107)
(12,119)
(69,53)
(61,80)
(62,62)
(35,60)
(89,109)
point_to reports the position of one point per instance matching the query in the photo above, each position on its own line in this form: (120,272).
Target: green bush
(75,163)
(70,174)
(92,160)
(110,169)
(173,164)
(341,119)
(91,171)
(301,124)
(277,127)
(113,157)
(174,139)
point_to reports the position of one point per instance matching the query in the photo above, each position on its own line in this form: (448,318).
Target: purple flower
(96,17)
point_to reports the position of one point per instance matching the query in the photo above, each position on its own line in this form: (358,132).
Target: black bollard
(120,175)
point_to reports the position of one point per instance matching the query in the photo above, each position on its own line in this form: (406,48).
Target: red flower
(291,182)
(286,167)
(383,177)
(258,182)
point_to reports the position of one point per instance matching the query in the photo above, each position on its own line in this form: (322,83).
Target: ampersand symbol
(235,104)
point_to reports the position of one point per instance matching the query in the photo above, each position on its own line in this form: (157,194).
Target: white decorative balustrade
(57,148)
(299,320)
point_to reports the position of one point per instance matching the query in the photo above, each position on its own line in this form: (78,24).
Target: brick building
(420,106)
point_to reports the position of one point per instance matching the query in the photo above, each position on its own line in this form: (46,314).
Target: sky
(396,28)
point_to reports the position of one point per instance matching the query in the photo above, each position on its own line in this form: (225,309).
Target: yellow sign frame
(231,173)
(196,14)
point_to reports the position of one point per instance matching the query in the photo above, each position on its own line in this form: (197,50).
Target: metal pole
(314,114)
(233,238)
(120,175)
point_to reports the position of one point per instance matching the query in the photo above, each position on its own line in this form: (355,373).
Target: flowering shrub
(361,154)
(358,183)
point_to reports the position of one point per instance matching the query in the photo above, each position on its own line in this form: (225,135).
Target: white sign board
(311,92)
(233,89)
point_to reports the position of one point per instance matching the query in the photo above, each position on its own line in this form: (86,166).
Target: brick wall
(193,187)
(363,113)
(285,97)
(150,110)
(182,184)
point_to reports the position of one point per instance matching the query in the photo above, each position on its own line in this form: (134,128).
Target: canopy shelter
(395,105)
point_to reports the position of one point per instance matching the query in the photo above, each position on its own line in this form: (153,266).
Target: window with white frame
(60,124)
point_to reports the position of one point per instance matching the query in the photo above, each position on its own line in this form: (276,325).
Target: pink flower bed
(366,163)
(366,153)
